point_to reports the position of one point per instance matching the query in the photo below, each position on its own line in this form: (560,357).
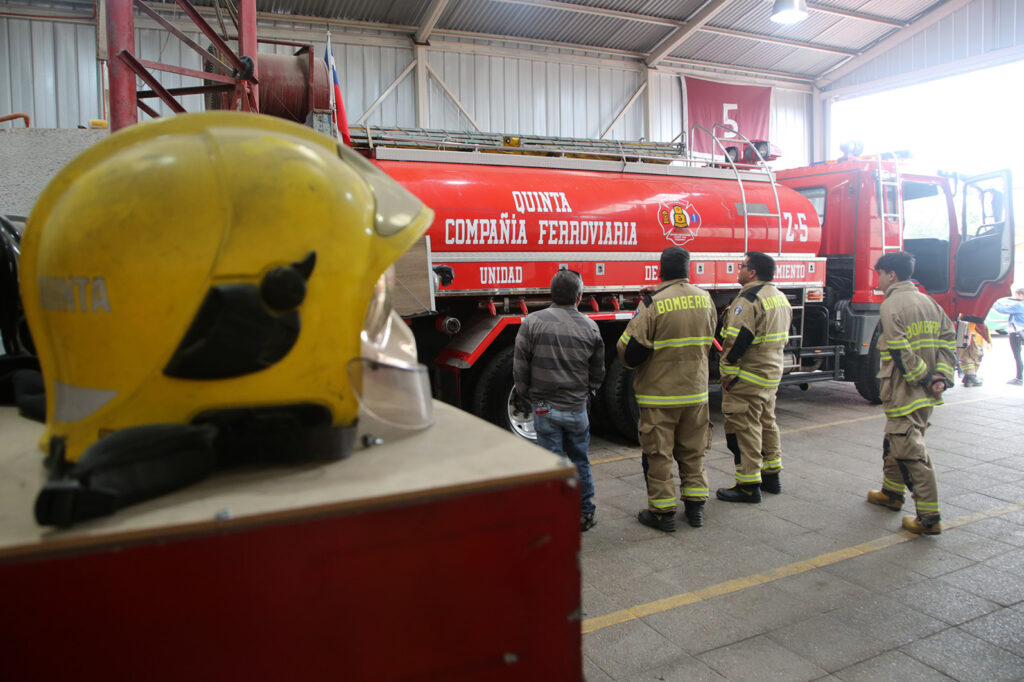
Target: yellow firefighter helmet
(197,287)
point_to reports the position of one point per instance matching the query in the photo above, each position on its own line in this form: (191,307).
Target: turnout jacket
(917,345)
(755,329)
(667,341)
(558,357)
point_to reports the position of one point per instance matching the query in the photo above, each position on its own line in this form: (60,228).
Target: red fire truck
(511,211)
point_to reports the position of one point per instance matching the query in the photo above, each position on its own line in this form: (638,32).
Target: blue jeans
(568,432)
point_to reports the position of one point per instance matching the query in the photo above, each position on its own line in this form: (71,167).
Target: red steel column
(124,109)
(247,41)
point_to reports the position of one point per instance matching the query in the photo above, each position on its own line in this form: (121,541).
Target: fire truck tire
(620,400)
(492,398)
(867,382)
(598,414)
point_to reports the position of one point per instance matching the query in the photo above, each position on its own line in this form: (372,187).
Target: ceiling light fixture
(789,11)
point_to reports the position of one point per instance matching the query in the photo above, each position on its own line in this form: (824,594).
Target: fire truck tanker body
(506,222)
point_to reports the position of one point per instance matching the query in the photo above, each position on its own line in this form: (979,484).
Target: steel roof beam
(662,21)
(596,11)
(433,13)
(694,23)
(779,41)
(851,14)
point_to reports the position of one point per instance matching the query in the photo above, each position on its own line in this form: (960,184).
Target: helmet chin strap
(143,462)
(125,467)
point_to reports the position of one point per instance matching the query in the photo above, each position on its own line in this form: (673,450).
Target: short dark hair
(566,287)
(762,264)
(1018,290)
(900,262)
(675,263)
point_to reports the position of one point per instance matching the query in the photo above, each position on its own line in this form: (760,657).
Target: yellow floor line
(812,427)
(738,584)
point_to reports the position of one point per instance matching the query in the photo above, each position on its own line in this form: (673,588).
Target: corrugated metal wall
(365,72)
(666,99)
(985,32)
(48,69)
(790,127)
(533,96)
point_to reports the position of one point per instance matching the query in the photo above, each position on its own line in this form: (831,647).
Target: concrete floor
(816,584)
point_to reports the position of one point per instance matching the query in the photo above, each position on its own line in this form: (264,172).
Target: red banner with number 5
(739,107)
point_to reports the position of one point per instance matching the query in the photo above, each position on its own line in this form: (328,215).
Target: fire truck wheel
(867,383)
(620,400)
(492,398)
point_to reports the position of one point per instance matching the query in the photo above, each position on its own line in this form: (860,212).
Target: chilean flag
(337,106)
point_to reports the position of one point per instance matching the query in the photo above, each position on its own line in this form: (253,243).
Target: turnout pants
(751,433)
(682,434)
(906,465)
(970,358)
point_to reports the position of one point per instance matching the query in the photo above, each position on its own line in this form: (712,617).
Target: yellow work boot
(886,499)
(915,525)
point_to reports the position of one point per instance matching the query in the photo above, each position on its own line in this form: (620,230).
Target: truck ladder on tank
(535,145)
(890,181)
(760,165)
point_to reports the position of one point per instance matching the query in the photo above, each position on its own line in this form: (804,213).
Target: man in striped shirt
(558,363)
(667,341)
(917,346)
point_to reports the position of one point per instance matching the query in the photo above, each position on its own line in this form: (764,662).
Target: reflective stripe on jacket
(917,332)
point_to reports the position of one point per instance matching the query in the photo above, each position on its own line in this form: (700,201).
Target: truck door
(984,259)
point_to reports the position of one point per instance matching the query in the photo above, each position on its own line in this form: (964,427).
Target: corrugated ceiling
(739,35)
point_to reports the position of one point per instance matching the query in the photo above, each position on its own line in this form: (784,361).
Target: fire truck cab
(961,232)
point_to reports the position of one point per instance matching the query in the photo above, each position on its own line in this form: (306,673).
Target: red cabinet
(448,554)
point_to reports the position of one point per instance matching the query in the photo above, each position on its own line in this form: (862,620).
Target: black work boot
(740,493)
(972,380)
(587,521)
(770,483)
(662,522)
(694,512)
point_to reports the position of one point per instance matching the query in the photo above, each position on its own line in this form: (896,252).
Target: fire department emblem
(680,221)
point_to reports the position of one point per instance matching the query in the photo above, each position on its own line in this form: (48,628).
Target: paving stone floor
(816,584)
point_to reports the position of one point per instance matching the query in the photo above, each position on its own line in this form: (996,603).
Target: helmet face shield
(392,386)
(393,394)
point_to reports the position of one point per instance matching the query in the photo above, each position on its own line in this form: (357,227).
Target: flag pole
(329,59)
(340,122)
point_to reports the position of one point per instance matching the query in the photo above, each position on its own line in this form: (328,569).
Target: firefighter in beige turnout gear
(971,350)
(755,330)
(917,346)
(668,341)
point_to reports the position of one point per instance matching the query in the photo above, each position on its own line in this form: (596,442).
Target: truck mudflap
(828,355)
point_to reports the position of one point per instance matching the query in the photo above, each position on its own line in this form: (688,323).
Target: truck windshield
(925,211)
